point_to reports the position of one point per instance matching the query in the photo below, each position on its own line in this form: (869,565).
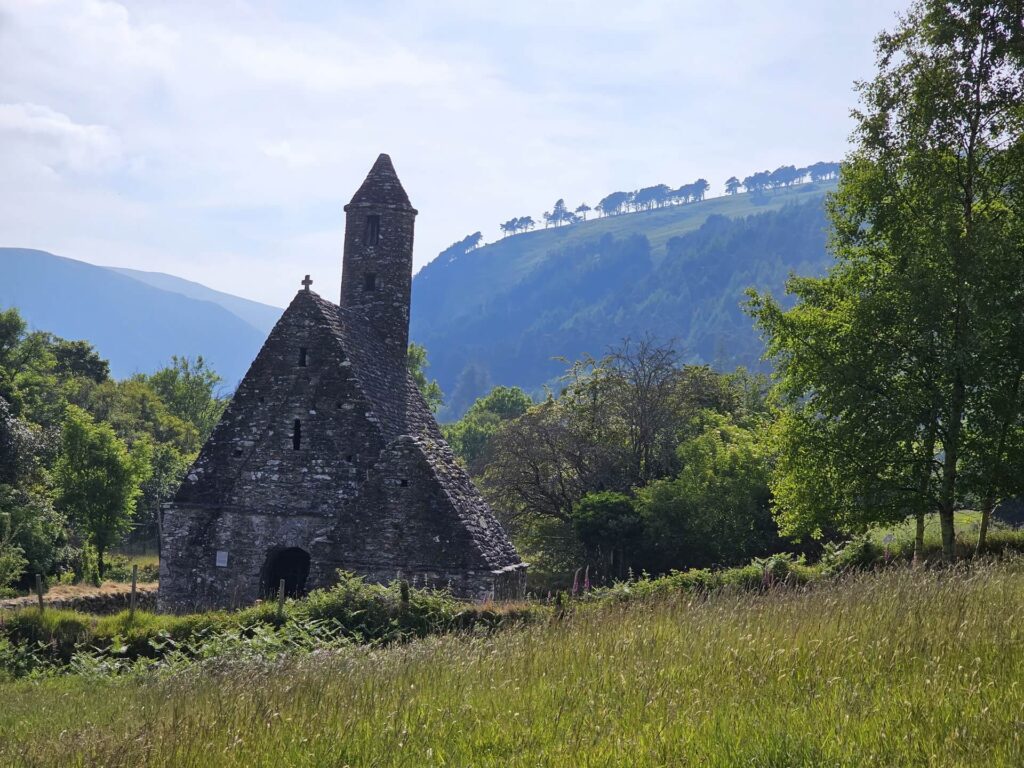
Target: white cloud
(54,140)
(219,141)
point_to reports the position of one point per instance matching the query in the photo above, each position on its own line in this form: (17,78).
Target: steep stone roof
(381,187)
(403,415)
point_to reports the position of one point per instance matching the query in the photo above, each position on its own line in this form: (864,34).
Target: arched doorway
(292,565)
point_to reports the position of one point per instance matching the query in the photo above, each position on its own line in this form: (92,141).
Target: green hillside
(498,314)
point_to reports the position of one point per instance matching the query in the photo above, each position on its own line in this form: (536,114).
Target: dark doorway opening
(292,565)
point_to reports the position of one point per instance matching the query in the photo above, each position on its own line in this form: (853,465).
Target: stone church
(328,457)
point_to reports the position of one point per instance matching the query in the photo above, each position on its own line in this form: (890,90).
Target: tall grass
(895,668)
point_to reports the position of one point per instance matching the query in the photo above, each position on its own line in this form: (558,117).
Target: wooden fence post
(280,599)
(39,590)
(131,600)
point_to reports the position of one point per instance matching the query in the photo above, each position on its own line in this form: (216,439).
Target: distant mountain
(261,316)
(500,313)
(131,320)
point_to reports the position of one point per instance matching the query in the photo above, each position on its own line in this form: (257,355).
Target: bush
(859,553)
(351,610)
(119,568)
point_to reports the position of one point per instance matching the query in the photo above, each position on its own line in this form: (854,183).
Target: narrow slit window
(372,229)
(303,356)
(296,435)
(370,281)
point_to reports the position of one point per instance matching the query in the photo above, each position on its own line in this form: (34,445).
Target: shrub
(859,553)
(119,568)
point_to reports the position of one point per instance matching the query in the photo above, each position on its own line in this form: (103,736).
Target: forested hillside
(502,313)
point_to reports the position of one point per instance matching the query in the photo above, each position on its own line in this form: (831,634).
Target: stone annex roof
(381,188)
(403,414)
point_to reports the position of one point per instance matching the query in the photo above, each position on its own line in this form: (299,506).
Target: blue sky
(219,141)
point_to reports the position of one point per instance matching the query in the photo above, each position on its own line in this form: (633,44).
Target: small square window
(303,357)
(404,483)
(370,281)
(372,230)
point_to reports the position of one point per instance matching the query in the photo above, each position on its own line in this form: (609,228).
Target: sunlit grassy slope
(893,669)
(506,260)
(507,308)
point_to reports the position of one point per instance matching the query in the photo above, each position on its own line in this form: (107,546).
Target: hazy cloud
(219,141)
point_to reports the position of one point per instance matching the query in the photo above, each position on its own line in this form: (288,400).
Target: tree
(462,247)
(822,171)
(649,197)
(97,481)
(645,375)
(716,510)
(79,358)
(471,435)
(12,558)
(189,390)
(609,527)
(784,176)
(583,209)
(757,182)
(890,363)
(612,204)
(559,213)
(417,363)
(732,185)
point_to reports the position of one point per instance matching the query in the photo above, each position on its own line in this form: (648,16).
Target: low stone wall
(105,602)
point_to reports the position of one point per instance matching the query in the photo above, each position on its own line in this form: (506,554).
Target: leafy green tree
(471,435)
(582,210)
(78,358)
(715,511)
(609,527)
(12,329)
(98,481)
(12,558)
(34,527)
(417,362)
(732,185)
(890,363)
(189,391)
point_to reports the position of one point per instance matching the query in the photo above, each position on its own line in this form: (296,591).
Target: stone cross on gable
(306,282)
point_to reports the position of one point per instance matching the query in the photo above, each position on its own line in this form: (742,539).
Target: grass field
(900,667)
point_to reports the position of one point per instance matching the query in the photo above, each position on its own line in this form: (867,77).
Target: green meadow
(892,667)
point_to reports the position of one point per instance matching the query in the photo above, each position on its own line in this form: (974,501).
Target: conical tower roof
(381,187)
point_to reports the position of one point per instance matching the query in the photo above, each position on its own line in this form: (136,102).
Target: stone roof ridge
(473,511)
(381,187)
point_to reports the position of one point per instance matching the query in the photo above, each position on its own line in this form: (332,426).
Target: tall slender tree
(900,371)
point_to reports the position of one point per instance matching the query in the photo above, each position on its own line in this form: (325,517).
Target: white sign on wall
(222,558)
